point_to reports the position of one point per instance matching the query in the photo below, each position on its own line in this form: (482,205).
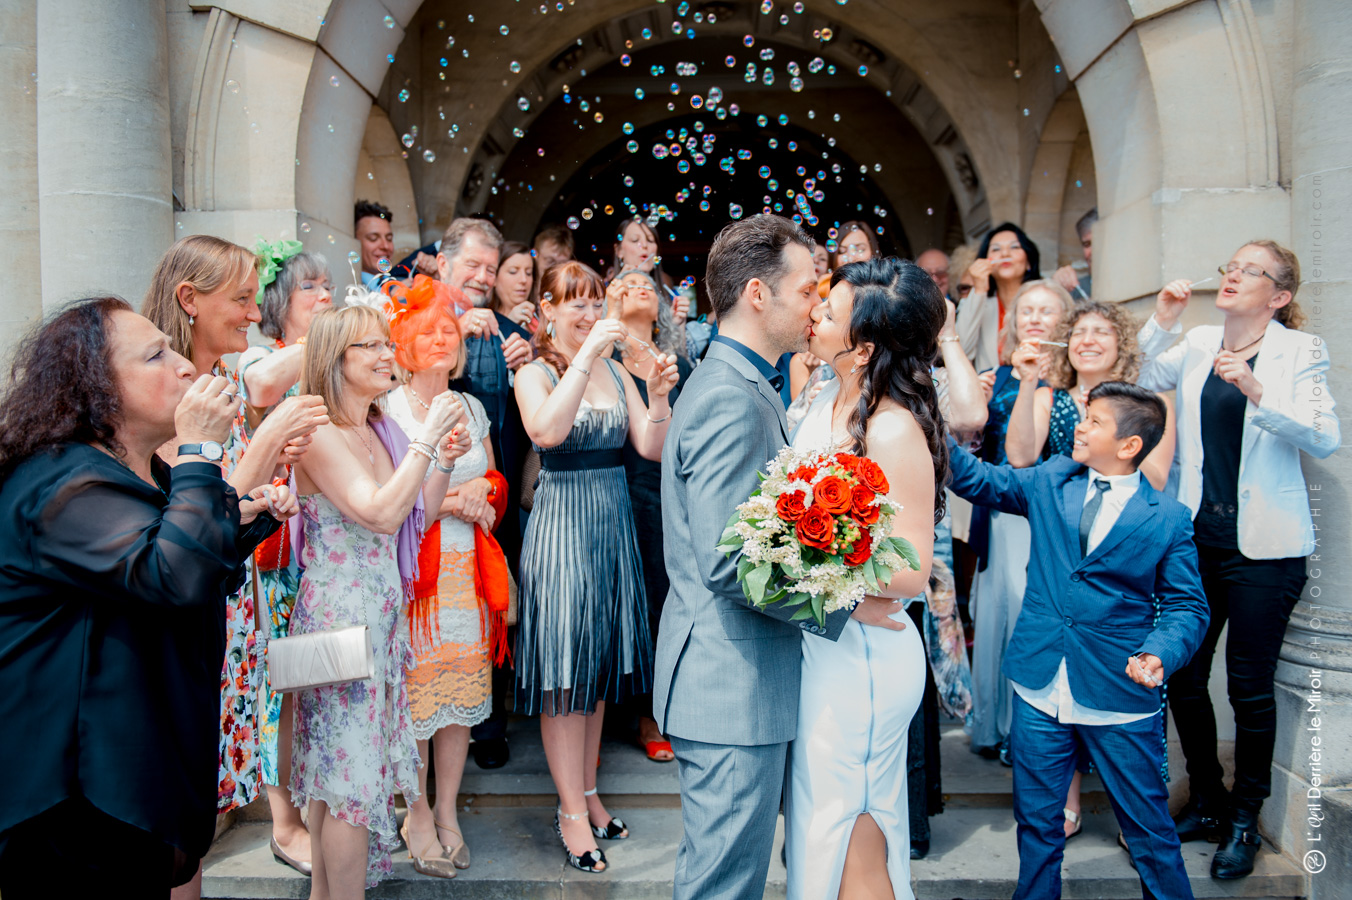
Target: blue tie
(1090,513)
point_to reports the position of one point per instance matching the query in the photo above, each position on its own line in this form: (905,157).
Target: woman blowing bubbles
(583,633)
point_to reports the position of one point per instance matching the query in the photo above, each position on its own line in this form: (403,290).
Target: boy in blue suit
(1088,656)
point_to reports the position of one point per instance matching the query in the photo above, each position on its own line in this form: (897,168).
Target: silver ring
(226,392)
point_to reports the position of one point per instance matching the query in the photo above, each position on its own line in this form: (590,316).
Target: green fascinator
(273,256)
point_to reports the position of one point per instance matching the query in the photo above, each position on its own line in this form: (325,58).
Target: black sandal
(589,860)
(614,830)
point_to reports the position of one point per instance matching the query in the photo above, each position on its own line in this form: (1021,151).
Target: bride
(846,819)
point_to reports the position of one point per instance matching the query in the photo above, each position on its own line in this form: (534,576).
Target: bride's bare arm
(897,444)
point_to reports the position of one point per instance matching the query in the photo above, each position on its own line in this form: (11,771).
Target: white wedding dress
(849,757)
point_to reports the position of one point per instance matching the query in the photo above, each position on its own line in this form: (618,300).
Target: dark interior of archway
(771,124)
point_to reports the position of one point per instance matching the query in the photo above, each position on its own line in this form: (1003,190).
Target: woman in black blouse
(114,569)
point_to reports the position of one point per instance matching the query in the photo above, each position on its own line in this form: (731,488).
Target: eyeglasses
(375,346)
(1251,271)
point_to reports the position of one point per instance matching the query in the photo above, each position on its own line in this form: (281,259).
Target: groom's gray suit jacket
(726,673)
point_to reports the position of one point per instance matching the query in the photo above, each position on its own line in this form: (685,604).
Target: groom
(726,690)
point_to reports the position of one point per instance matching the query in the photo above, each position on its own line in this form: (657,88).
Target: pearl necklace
(416,397)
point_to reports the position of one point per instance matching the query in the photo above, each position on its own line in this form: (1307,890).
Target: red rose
(832,494)
(789,506)
(849,462)
(861,504)
(872,476)
(816,528)
(803,473)
(863,549)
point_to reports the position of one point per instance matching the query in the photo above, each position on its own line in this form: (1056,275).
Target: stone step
(630,779)
(516,855)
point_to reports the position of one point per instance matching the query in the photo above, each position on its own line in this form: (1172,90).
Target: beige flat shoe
(460,855)
(281,856)
(435,865)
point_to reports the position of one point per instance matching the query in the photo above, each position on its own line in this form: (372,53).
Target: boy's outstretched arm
(1000,487)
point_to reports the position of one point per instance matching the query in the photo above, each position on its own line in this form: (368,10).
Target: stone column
(1310,812)
(104,176)
(19,175)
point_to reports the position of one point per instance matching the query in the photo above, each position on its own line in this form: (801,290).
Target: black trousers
(1256,596)
(77,850)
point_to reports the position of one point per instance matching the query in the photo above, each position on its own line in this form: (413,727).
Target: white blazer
(1296,414)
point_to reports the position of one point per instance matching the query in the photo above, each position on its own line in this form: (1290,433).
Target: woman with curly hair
(115,568)
(1100,341)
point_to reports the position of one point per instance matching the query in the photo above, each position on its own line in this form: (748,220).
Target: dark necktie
(776,381)
(1090,513)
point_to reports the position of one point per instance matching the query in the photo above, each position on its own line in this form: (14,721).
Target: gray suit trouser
(729,806)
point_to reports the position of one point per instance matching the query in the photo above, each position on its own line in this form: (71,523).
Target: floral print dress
(354,743)
(239,772)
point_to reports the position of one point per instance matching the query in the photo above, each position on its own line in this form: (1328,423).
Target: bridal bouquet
(817,534)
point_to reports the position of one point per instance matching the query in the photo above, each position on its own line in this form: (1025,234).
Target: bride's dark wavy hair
(900,311)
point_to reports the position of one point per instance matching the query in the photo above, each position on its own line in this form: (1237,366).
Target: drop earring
(191,320)
(549,330)
(854,369)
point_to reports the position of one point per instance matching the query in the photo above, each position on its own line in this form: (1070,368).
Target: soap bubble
(796,84)
(384,265)
(632,146)
(695,101)
(863,70)
(522,104)
(766,6)
(573,223)
(765,171)
(734,211)
(333,80)
(625,59)
(587,213)
(403,95)
(749,41)
(767,53)
(627,127)
(646,34)
(407,140)
(353,257)
(827,34)
(389,21)
(816,65)
(503,30)
(729,62)
(515,67)
(638,93)
(660,151)
(429,156)
(610,210)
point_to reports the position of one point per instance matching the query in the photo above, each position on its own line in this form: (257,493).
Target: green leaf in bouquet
(729,541)
(818,602)
(905,550)
(756,581)
(870,570)
(803,613)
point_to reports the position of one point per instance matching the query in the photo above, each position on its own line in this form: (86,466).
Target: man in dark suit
(1090,649)
(494,346)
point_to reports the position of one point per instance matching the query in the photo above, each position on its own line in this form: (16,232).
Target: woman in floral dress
(363,490)
(203,296)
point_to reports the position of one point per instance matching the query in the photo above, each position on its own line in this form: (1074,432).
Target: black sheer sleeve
(121,540)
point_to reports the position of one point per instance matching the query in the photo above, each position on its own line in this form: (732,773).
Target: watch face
(212,450)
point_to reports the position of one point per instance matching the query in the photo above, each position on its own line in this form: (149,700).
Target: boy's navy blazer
(1097,610)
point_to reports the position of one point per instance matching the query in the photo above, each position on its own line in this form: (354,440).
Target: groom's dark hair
(751,248)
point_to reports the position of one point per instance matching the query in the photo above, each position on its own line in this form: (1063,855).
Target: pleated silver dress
(582,635)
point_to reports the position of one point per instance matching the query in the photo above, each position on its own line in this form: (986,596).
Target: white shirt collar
(1117,482)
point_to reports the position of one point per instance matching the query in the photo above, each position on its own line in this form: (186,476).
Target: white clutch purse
(321,658)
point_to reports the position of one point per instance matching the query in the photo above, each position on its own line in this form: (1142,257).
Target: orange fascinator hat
(410,309)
